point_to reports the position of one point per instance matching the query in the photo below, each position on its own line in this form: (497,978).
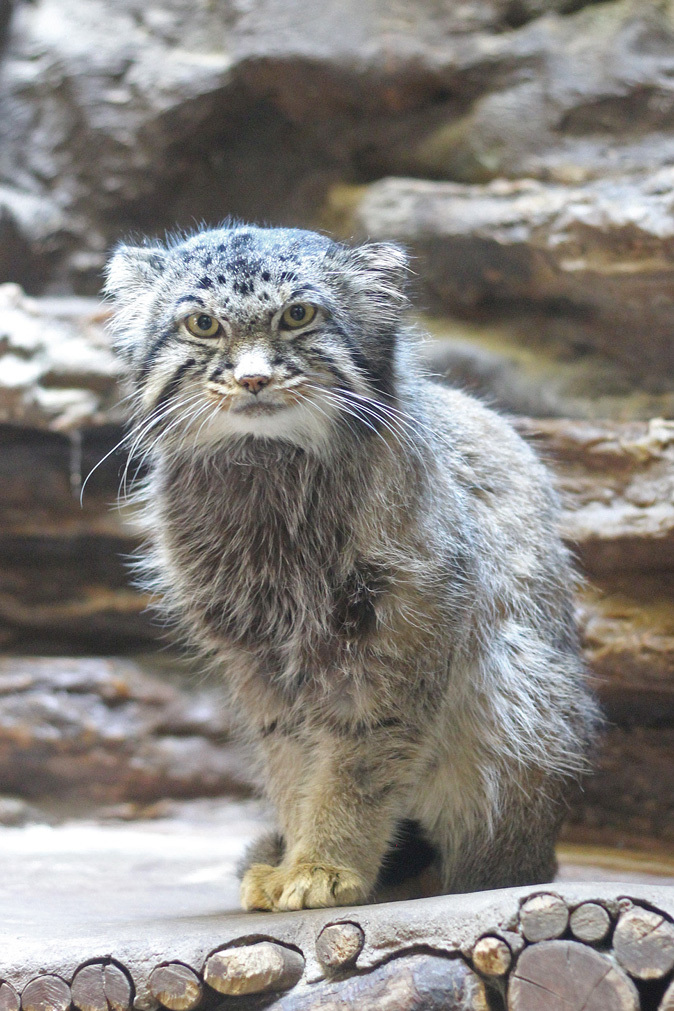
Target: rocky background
(523,150)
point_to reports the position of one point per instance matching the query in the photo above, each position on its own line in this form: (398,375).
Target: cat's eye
(203,325)
(296,315)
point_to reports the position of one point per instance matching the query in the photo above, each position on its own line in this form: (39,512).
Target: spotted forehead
(246,274)
(245,258)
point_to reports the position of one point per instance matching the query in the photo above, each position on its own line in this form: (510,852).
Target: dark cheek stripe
(148,361)
(171,387)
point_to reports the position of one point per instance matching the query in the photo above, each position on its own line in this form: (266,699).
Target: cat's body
(371,559)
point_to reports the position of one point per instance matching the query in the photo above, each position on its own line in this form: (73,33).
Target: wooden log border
(594,955)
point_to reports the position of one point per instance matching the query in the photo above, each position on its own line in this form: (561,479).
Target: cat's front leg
(351,790)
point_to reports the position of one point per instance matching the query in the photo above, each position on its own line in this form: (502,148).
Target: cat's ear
(133,269)
(379,272)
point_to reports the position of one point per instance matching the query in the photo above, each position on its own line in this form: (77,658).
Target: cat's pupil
(297,313)
(204,322)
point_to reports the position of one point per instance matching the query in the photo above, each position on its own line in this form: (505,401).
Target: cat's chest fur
(264,551)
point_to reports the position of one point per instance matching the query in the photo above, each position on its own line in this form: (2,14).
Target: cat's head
(246,331)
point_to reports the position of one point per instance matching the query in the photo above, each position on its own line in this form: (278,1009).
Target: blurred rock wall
(523,151)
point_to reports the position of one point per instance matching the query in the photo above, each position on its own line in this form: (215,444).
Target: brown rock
(630,793)
(595,253)
(617,481)
(107,731)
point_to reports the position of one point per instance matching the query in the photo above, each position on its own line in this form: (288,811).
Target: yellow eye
(296,315)
(202,325)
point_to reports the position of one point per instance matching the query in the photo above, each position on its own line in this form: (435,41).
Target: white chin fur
(301,424)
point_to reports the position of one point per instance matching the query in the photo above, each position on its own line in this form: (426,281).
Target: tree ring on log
(590,922)
(339,944)
(176,986)
(9,998)
(492,956)
(544,917)
(643,942)
(568,976)
(102,986)
(46,993)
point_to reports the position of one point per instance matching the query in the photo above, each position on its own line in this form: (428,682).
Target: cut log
(46,993)
(176,986)
(408,983)
(643,943)
(567,976)
(254,968)
(544,917)
(492,956)
(339,945)
(101,986)
(590,922)
(9,998)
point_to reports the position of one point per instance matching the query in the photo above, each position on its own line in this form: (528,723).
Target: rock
(627,634)
(629,798)
(118,118)
(617,481)
(514,367)
(595,254)
(107,731)
(56,369)
(14,811)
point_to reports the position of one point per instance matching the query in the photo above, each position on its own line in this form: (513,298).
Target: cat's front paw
(300,886)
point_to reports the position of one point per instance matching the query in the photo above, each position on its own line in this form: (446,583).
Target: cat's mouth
(256,408)
(251,405)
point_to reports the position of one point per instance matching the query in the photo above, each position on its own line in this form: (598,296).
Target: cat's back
(506,491)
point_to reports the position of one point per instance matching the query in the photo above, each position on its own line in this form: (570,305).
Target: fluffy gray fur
(370,559)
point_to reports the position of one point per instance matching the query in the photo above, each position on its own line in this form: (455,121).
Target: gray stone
(124,116)
(594,255)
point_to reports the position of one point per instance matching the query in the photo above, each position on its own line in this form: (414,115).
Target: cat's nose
(253,383)
(253,370)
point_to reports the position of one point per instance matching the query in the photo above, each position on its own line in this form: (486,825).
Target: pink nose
(253,383)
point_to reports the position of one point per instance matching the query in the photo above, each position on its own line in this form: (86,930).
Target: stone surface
(617,482)
(141,116)
(106,730)
(523,368)
(596,254)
